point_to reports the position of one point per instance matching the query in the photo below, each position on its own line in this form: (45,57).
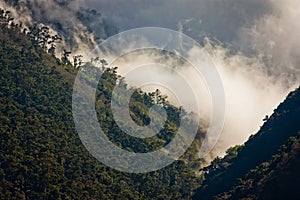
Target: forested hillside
(266,166)
(42,156)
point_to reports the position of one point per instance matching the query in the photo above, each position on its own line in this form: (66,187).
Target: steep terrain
(42,156)
(265,166)
(278,178)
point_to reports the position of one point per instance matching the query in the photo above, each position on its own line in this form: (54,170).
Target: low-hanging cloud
(274,39)
(215,18)
(251,93)
(80,27)
(254,43)
(256,53)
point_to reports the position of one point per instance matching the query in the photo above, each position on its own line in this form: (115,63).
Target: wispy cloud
(256,44)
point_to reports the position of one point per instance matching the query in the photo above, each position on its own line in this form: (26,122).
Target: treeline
(42,156)
(40,36)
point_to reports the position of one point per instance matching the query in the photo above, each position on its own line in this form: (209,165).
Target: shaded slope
(223,174)
(278,178)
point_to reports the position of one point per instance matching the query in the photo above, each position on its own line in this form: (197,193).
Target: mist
(250,92)
(81,28)
(254,44)
(214,18)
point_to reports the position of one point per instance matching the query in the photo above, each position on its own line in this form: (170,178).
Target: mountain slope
(42,156)
(260,149)
(277,178)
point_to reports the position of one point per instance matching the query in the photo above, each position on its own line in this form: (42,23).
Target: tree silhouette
(77,61)
(65,57)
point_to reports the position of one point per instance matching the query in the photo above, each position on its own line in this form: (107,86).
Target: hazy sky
(264,35)
(254,43)
(217,18)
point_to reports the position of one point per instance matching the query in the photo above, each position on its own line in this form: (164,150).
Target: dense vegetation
(42,156)
(266,166)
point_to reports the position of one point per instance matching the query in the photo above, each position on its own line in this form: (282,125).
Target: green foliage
(280,172)
(234,151)
(41,154)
